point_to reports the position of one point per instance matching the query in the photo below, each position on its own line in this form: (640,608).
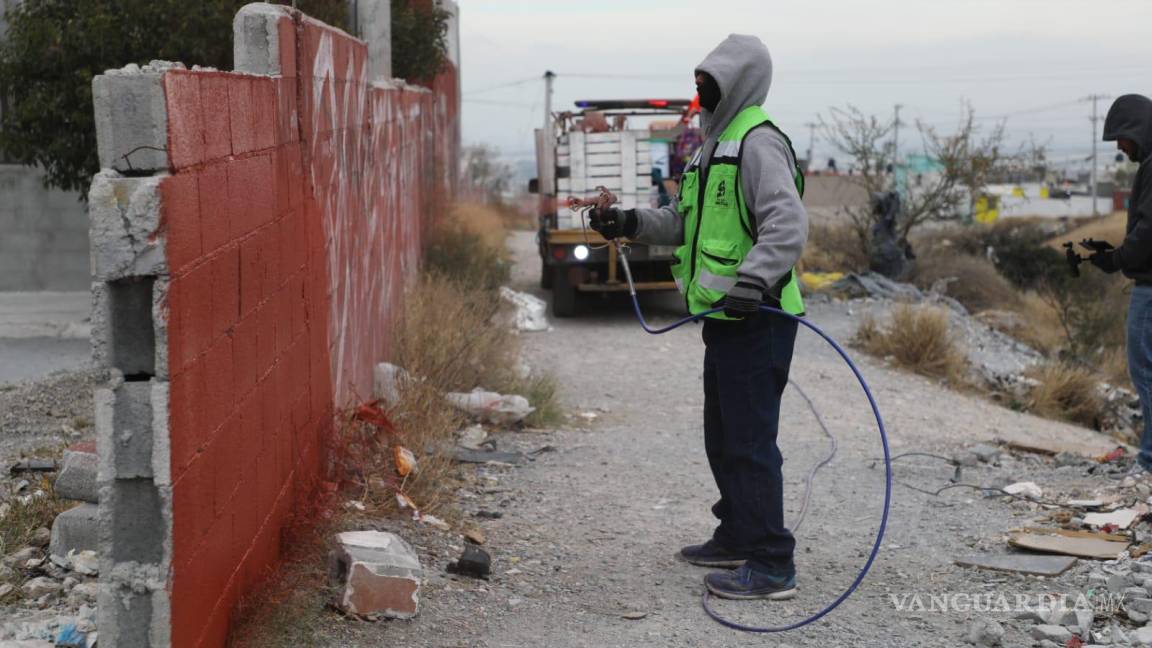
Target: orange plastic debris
(372,414)
(405,460)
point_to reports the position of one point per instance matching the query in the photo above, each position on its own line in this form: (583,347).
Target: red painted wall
(293,217)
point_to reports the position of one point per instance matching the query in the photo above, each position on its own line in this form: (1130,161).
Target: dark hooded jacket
(1130,117)
(742,67)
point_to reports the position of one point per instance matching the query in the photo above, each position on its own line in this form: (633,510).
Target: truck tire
(545,276)
(563,293)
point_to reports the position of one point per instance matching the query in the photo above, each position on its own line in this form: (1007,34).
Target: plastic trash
(386,381)
(492,407)
(529,309)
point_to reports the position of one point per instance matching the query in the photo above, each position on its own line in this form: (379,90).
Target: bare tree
(964,162)
(483,174)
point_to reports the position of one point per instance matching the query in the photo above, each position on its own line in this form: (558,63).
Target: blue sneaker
(746,583)
(711,554)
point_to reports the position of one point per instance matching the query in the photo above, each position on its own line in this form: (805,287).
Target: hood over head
(1130,117)
(743,70)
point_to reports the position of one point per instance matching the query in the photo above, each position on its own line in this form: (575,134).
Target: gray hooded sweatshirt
(1130,117)
(743,69)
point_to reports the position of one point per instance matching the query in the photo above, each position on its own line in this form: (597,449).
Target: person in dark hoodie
(1129,124)
(740,228)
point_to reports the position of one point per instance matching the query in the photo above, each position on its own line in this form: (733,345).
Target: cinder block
(124,216)
(133,527)
(133,609)
(124,430)
(77,479)
(378,573)
(131,117)
(76,529)
(256,38)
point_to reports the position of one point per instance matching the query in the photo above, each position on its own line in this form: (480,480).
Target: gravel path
(589,531)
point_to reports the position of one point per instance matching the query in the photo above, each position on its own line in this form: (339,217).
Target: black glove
(1105,260)
(743,300)
(613,223)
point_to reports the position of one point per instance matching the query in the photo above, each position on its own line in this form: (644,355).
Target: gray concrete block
(125,617)
(132,118)
(161,441)
(77,479)
(133,526)
(256,38)
(76,529)
(132,431)
(124,216)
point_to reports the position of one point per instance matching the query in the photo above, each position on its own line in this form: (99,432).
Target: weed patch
(918,339)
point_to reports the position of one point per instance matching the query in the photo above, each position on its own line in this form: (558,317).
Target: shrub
(834,248)
(1067,393)
(53,48)
(977,284)
(919,339)
(1019,248)
(419,41)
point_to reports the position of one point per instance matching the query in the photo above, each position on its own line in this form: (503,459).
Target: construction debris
(1025,489)
(1020,563)
(1083,544)
(467,455)
(1120,519)
(379,574)
(474,562)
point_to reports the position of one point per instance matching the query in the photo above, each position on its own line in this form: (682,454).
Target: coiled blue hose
(879,424)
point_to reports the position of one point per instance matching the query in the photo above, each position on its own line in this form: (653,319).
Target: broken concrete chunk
(474,562)
(76,529)
(1049,632)
(1121,519)
(378,572)
(39,586)
(1025,489)
(77,479)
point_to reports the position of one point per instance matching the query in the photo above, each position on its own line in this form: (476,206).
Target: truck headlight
(581,252)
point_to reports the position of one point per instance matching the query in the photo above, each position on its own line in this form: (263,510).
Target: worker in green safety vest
(740,229)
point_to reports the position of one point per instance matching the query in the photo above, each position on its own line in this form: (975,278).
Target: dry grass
(833,248)
(446,337)
(977,284)
(468,247)
(1066,393)
(1113,367)
(28,512)
(1040,327)
(918,339)
(1108,228)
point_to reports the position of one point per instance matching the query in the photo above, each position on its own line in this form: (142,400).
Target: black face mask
(709,92)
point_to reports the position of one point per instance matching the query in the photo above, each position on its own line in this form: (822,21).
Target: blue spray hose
(879,424)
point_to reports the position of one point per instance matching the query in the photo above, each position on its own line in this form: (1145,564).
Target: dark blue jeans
(745,371)
(1140,363)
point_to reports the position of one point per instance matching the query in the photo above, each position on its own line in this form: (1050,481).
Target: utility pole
(548,77)
(896,136)
(1094,98)
(811,143)
(547,159)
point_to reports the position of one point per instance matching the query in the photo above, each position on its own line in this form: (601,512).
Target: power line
(500,86)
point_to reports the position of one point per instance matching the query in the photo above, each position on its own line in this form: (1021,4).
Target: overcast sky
(1033,58)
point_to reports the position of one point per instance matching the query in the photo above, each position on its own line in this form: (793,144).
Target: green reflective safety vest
(718,230)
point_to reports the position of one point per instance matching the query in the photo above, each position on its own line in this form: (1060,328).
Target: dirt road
(589,532)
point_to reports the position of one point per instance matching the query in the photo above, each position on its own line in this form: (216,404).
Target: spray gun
(1074,260)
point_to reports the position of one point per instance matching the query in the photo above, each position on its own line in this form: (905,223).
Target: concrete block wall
(43,234)
(247,267)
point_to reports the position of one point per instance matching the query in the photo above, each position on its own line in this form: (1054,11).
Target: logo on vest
(722,194)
